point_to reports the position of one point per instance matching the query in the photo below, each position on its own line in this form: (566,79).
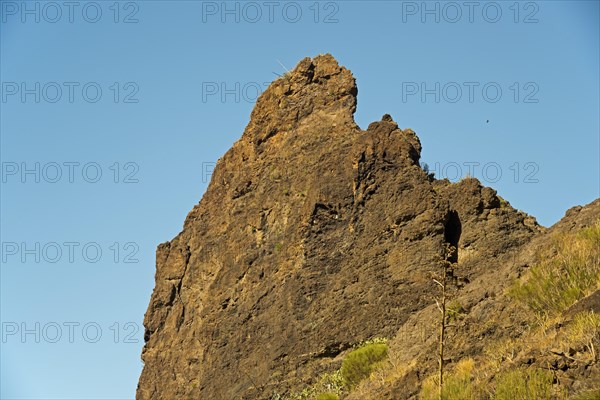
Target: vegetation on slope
(565,274)
(558,282)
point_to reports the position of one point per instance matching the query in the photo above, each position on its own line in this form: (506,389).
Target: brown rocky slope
(312,236)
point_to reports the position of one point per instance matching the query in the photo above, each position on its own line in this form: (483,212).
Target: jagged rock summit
(317,88)
(312,236)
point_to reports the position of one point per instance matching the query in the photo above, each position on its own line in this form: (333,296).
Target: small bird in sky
(487,122)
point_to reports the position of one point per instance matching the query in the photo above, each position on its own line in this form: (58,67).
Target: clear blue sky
(172,61)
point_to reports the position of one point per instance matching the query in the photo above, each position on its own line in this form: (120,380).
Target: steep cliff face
(312,236)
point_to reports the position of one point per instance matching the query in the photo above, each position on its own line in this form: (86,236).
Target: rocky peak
(312,236)
(317,86)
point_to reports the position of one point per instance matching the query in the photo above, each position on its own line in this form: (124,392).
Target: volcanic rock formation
(312,236)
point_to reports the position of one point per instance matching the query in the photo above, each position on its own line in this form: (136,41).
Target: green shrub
(327,396)
(454,311)
(503,202)
(556,283)
(360,363)
(524,384)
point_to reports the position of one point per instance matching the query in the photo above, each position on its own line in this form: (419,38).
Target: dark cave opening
(452,231)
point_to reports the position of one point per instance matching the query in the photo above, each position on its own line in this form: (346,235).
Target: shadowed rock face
(313,235)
